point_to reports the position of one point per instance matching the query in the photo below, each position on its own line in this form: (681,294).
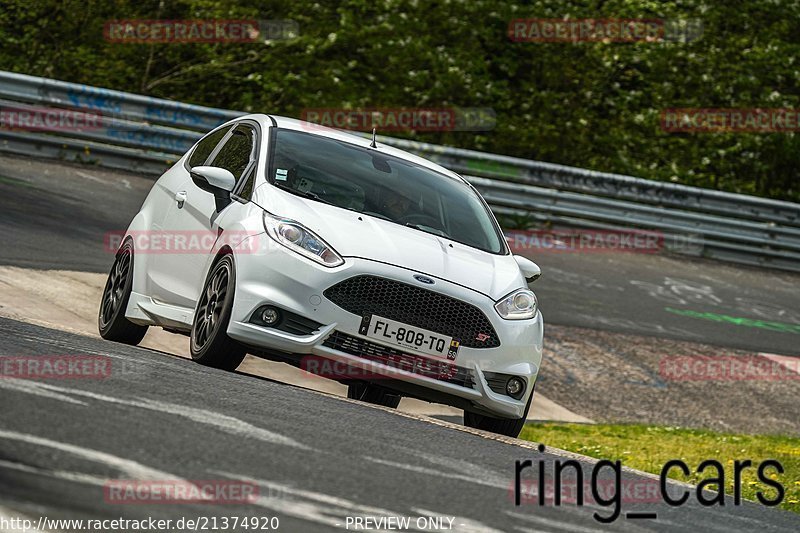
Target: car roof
(352,138)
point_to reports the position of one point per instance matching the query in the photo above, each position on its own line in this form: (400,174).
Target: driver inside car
(396,206)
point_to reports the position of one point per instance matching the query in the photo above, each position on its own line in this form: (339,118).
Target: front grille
(371,295)
(417,364)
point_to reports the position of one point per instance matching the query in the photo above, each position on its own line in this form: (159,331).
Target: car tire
(210,344)
(510,427)
(111,320)
(373,394)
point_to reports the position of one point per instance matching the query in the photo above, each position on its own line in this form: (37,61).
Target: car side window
(237,152)
(206,146)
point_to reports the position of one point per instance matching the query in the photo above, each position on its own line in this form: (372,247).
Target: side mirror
(218,181)
(529,269)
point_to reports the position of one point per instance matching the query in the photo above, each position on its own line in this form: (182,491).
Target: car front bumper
(274,275)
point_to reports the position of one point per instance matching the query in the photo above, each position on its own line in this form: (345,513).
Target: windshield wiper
(427,229)
(377,215)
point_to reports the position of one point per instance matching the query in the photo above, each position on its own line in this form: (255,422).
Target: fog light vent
(515,387)
(270,315)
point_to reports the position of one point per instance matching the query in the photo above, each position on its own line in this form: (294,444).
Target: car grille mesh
(417,364)
(415,306)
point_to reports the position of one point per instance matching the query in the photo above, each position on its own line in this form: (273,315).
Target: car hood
(354,234)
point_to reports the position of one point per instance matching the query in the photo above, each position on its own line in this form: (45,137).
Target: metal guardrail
(44,91)
(683,232)
(67,149)
(146,134)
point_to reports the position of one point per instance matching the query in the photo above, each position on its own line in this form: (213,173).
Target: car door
(193,222)
(167,191)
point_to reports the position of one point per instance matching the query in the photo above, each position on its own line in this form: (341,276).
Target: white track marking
(228,424)
(128,467)
(83,350)
(332,510)
(77,477)
(466,468)
(30,387)
(309,505)
(9,514)
(494,483)
(84,175)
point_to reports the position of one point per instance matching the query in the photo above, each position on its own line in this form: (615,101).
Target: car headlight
(302,240)
(519,305)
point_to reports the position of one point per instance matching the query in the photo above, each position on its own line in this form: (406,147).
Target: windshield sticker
(280,174)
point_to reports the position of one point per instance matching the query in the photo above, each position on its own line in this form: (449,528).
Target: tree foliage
(594,105)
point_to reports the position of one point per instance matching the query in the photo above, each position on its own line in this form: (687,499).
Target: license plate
(409,337)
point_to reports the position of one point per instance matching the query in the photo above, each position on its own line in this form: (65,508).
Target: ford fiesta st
(326,250)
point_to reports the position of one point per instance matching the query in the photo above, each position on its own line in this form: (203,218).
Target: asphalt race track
(316,459)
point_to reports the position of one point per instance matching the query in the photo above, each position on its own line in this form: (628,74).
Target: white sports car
(327,251)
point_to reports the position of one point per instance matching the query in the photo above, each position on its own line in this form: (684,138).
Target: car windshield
(381,185)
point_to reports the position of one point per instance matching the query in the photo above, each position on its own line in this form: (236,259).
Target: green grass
(647,448)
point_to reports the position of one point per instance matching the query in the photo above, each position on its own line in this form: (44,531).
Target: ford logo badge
(424,279)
